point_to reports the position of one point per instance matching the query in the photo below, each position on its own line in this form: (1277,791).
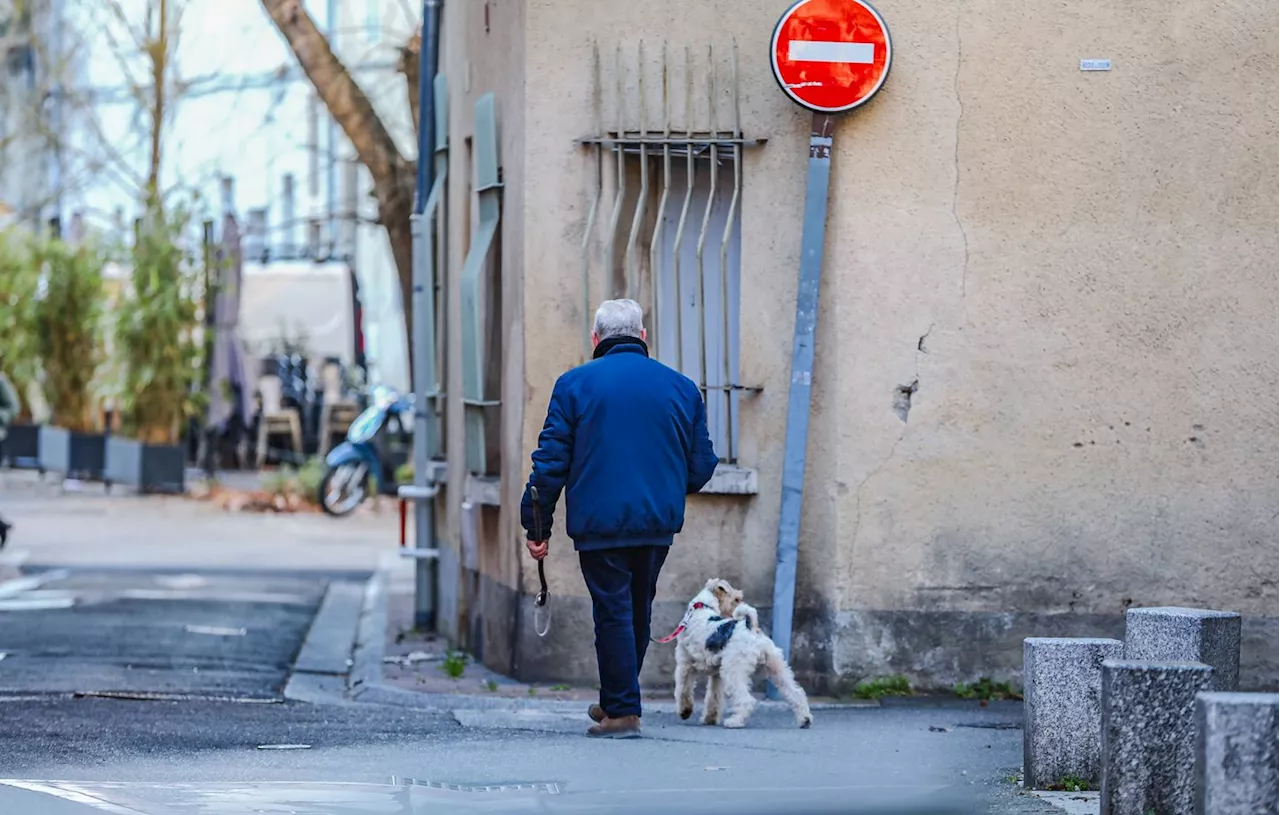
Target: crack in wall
(955,192)
(857,491)
(902,407)
(902,399)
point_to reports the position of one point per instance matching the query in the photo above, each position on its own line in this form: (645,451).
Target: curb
(324,664)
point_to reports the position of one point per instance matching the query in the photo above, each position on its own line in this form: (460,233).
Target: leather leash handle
(543,594)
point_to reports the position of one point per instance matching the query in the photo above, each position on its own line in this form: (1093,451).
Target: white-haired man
(626,440)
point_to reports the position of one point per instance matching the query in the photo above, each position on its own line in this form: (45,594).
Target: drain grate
(150,696)
(549,788)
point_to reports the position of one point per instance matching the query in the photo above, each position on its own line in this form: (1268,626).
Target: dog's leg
(685,679)
(739,703)
(788,689)
(712,702)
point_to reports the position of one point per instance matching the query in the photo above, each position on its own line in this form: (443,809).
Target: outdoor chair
(276,419)
(338,411)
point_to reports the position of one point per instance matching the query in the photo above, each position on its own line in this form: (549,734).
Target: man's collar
(633,345)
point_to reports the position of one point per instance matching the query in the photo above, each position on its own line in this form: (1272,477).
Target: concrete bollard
(1061,734)
(1236,756)
(1172,634)
(1148,735)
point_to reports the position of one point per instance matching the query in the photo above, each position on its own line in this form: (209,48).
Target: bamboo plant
(158,330)
(67,317)
(19,279)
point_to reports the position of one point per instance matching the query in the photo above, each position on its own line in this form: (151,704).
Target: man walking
(626,439)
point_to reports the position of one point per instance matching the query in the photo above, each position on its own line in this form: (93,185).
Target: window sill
(731,479)
(485,490)
(728,479)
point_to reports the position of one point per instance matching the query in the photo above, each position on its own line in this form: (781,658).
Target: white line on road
(216,631)
(218,597)
(284,746)
(69,793)
(41,601)
(858,53)
(10,588)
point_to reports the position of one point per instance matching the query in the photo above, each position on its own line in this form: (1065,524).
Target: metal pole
(812,236)
(426,575)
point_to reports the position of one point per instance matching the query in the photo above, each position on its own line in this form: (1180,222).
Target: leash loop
(541,609)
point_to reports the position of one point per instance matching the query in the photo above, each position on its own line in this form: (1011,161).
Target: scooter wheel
(343,509)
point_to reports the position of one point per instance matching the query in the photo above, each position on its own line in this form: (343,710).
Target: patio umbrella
(230,391)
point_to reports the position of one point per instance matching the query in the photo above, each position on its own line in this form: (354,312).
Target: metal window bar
(688,280)
(474,352)
(593,209)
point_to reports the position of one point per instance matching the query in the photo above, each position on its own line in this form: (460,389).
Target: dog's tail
(748,613)
(785,681)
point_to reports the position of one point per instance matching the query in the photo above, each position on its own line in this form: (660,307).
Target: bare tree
(143,44)
(393,174)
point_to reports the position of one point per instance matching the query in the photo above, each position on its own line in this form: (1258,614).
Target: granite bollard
(1149,736)
(1061,737)
(1173,634)
(1236,755)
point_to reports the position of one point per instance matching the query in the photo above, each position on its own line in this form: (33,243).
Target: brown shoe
(596,713)
(623,727)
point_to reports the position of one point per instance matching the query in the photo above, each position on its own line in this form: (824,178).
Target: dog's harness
(684,621)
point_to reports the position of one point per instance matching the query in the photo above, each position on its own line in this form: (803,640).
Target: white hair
(619,318)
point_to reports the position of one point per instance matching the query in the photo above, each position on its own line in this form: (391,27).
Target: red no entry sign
(831,55)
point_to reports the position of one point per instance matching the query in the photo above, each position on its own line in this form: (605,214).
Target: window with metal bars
(668,201)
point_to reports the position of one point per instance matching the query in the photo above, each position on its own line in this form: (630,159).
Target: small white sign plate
(1095,65)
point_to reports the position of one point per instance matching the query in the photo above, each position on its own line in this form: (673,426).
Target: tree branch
(348,105)
(410,64)
(393,175)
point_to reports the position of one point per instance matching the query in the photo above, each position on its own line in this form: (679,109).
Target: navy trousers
(622,583)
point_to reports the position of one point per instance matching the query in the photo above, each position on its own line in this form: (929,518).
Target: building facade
(1045,377)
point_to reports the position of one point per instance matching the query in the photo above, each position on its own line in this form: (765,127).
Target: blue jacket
(626,440)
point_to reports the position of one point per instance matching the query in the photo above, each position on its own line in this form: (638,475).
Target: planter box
(74,455)
(21,447)
(148,468)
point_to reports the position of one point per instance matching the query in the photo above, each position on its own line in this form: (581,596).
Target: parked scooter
(356,462)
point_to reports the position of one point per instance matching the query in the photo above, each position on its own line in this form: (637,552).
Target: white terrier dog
(720,638)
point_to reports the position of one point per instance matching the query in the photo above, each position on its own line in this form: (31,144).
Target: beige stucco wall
(1079,269)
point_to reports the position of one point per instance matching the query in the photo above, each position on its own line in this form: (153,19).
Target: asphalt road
(155,633)
(177,644)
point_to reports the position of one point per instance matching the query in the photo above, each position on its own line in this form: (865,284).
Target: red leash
(683,622)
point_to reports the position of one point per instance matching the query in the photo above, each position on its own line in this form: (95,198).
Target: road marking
(70,793)
(219,597)
(857,53)
(19,585)
(181,581)
(216,631)
(156,696)
(39,600)
(284,746)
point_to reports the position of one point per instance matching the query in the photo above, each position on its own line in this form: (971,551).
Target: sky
(233,119)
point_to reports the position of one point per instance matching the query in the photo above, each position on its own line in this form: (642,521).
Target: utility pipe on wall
(423,492)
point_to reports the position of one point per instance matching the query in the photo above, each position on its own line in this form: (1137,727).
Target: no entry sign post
(829,56)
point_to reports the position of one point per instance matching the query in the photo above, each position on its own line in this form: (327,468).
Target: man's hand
(537,549)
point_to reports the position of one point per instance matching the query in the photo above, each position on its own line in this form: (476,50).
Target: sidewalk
(89,527)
